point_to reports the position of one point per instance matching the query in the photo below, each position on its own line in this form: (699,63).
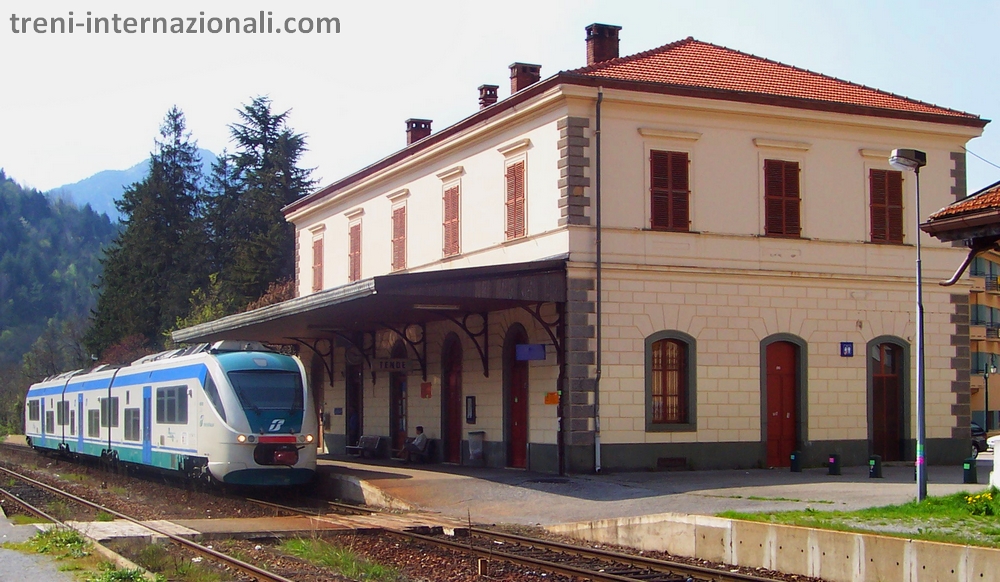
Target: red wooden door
(451,398)
(782,419)
(887,403)
(517,445)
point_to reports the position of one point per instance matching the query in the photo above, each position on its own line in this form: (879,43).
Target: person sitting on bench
(418,446)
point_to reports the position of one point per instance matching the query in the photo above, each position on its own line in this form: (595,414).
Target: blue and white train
(234,412)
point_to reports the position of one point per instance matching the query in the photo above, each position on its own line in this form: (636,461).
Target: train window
(94,423)
(62,412)
(212,391)
(72,422)
(172,405)
(109,411)
(267,390)
(132,424)
(50,422)
(34,410)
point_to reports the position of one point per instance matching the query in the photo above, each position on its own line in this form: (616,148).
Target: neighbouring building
(746,291)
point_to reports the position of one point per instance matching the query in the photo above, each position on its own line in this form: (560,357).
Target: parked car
(978,439)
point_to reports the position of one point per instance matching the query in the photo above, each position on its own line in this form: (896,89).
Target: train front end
(272,436)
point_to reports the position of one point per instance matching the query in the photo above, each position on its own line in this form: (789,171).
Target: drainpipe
(597,212)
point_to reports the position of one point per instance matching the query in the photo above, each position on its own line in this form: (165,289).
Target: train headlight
(302,438)
(309,438)
(241,438)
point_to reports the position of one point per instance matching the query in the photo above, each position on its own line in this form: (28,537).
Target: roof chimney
(522,75)
(417,129)
(487,95)
(602,43)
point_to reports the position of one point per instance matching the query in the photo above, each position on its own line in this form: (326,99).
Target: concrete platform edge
(831,555)
(115,558)
(354,490)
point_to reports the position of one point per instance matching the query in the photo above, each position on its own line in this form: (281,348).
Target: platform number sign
(846,349)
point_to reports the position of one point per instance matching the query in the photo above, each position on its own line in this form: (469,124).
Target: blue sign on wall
(846,349)
(530,352)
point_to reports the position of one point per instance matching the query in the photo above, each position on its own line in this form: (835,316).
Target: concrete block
(753,544)
(884,558)
(835,555)
(790,553)
(934,561)
(712,539)
(982,565)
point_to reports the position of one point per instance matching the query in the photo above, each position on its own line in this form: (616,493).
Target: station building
(745,291)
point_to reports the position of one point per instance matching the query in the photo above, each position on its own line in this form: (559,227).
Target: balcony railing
(991,285)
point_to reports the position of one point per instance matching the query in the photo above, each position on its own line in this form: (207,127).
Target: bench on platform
(368,446)
(424,456)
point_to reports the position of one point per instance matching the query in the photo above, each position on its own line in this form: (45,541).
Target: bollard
(834,464)
(796,461)
(875,467)
(969,474)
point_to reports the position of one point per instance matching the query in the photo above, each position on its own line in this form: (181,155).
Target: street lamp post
(909,159)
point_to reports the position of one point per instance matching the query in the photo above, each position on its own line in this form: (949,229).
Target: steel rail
(31,508)
(565,569)
(244,567)
(617,557)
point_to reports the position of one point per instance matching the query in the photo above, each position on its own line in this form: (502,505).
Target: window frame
(354,250)
(133,416)
(164,396)
(94,423)
(398,237)
(669,191)
(34,410)
(109,411)
(691,376)
(784,160)
(512,233)
(886,208)
(451,248)
(317,263)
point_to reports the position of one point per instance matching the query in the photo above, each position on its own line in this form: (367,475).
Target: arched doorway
(886,365)
(397,400)
(451,398)
(515,382)
(782,398)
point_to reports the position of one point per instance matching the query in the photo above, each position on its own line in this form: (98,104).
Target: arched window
(670,380)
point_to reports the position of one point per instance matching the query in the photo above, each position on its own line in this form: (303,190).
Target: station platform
(486,495)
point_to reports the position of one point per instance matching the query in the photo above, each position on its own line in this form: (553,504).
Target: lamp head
(907,159)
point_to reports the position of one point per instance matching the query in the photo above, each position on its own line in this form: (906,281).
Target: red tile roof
(692,63)
(986,199)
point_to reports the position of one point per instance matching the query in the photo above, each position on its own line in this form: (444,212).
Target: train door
(146,420)
(79,421)
(355,404)
(451,399)
(782,419)
(397,401)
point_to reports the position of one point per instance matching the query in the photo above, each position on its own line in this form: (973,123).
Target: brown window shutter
(669,382)
(399,238)
(515,200)
(317,265)
(781,199)
(354,253)
(886,206)
(451,212)
(669,190)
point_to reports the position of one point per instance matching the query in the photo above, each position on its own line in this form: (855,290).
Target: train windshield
(267,389)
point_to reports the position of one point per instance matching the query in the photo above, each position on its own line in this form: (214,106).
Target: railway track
(554,557)
(229,561)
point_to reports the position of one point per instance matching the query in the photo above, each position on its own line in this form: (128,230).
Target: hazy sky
(75,104)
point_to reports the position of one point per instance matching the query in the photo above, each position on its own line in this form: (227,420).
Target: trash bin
(834,464)
(796,458)
(875,467)
(476,440)
(969,474)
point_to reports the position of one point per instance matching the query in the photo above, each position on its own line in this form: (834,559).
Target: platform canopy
(391,301)
(975,220)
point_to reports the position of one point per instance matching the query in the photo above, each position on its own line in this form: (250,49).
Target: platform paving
(484,495)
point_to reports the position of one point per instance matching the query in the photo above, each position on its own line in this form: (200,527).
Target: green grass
(963,518)
(72,551)
(104,516)
(156,558)
(24,519)
(111,574)
(340,559)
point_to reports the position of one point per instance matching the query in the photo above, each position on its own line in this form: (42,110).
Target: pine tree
(253,239)
(154,265)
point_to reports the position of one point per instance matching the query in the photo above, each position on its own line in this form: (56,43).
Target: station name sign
(392,365)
